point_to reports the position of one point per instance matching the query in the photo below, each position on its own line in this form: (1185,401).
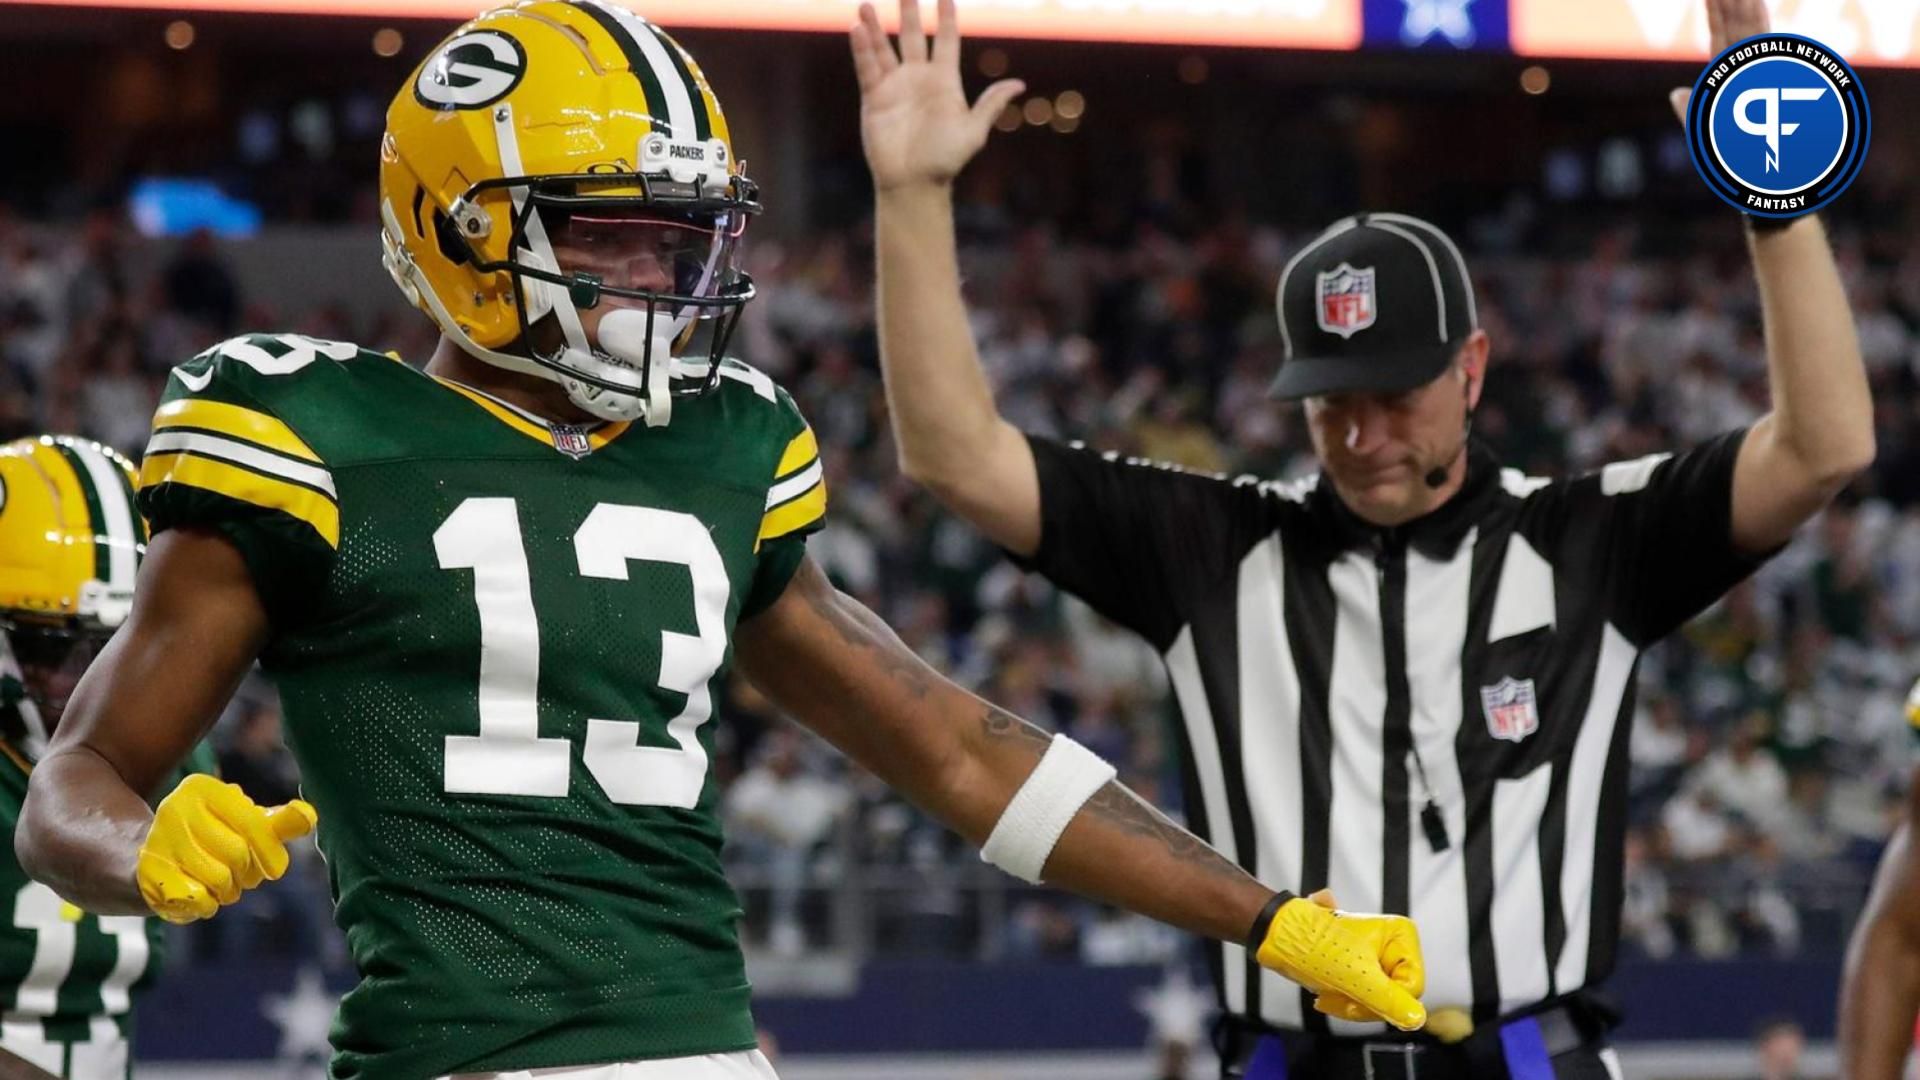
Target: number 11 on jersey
(509,756)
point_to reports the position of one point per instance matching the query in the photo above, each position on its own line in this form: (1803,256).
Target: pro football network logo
(1347,302)
(1778,125)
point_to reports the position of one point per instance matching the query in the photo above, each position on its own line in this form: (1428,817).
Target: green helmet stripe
(702,123)
(636,62)
(96,515)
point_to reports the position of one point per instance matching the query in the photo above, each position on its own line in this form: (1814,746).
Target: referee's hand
(1359,967)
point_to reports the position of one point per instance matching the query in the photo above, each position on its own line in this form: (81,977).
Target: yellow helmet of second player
(71,536)
(71,539)
(572,120)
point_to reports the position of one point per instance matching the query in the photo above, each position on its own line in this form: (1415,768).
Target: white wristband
(1067,776)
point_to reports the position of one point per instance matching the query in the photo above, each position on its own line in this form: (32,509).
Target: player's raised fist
(1359,967)
(209,843)
(914,116)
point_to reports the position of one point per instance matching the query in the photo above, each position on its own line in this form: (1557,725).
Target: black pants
(1582,1063)
(1565,1040)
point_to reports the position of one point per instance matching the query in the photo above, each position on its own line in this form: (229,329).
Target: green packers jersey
(67,978)
(498,644)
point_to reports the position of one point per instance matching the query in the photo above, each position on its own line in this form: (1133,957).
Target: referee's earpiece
(1436,477)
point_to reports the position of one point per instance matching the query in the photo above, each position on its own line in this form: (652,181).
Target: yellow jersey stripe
(597,438)
(235,422)
(16,757)
(799,454)
(794,515)
(247,486)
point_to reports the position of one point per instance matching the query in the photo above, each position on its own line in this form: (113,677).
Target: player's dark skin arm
(13,1068)
(1880,993)
(831,663)
(198,623)
(148,698)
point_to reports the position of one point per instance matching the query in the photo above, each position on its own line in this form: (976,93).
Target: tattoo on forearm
(1127,812)
(1117,806)
(862,629)
(998,723)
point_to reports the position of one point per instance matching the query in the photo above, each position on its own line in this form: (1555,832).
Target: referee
(1409,679)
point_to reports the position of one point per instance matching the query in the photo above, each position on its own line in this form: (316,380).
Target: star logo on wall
(303,1016)
(1427,19)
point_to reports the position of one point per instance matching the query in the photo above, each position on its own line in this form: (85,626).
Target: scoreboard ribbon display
(1295,24)
(1866,32)
(1869,32)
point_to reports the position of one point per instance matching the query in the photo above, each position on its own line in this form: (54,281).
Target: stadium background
(173,177)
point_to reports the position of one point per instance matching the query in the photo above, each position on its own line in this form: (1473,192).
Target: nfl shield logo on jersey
(570,440)
(1511,712)
(1346,300)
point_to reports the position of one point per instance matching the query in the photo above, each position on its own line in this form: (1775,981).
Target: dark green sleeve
(779,561)
(221,460)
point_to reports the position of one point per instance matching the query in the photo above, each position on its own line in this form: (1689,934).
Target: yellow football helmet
(578,116)
(71,539)
(1913,712)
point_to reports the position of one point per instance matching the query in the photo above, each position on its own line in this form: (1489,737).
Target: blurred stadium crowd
(1770,745)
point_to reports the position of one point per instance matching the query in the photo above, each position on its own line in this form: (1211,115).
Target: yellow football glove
(1359,967)
(209,843)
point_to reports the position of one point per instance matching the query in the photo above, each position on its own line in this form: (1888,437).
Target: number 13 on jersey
(509,756)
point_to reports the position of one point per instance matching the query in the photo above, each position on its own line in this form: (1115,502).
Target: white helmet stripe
(115,513)
(680,104)
(553,297)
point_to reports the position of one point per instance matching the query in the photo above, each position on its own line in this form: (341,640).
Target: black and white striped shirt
(1313,654)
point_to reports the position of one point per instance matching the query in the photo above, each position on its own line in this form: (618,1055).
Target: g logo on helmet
(471,71)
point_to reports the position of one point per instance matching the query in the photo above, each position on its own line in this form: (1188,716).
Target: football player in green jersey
(498,597)
(70,539)
(1880,991)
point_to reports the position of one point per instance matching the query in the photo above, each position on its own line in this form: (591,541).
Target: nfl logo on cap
(1331,290)
(1346,300)
(1510,707)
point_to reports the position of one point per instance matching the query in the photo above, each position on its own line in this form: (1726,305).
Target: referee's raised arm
(1819,434)
(919,132)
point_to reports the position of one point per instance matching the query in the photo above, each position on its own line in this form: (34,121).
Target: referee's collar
(1436,535)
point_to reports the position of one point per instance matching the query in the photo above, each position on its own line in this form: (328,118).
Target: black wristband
(1761,226)
(1258,935)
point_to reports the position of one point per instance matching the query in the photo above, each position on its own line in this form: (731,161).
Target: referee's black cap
(1377,304)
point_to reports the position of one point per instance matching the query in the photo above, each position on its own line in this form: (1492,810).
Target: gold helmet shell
(71,535)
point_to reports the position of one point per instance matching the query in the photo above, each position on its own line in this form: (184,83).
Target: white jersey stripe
(1183,668)
(794,486)
(1356,710)
(1437,881)
(1610,685)
(1270,745)
(240,453)
(1519,914)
